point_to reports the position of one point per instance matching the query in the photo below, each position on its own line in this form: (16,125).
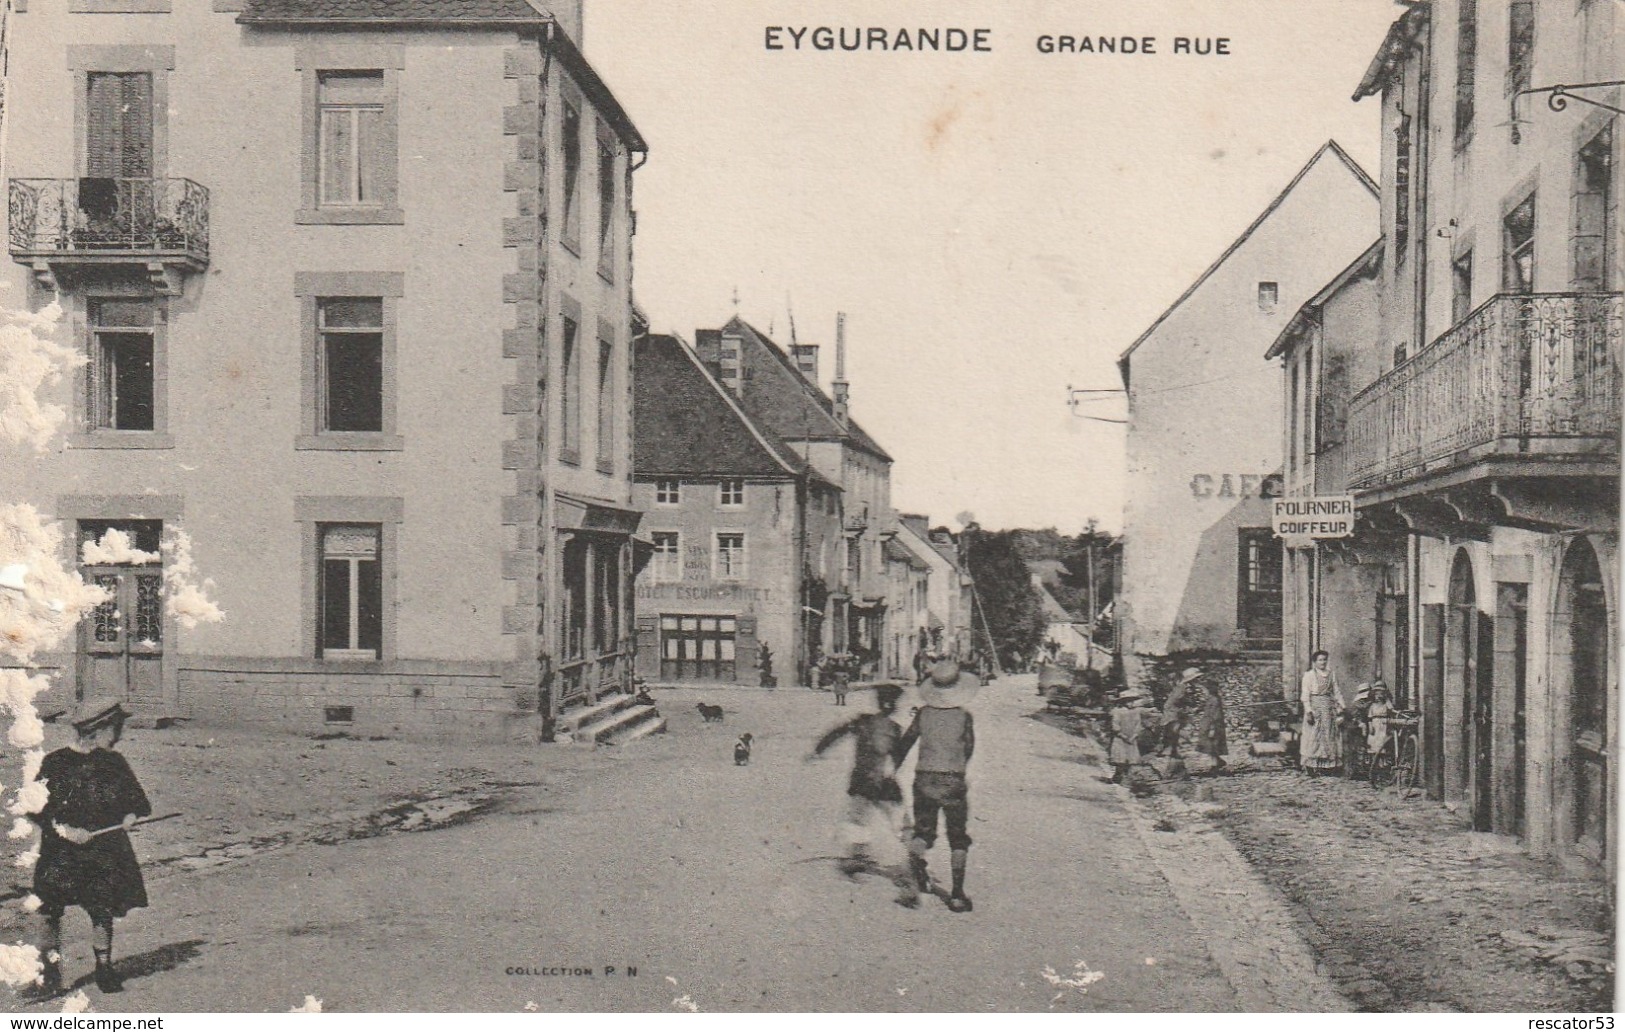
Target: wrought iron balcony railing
(1524,374)
(103,219)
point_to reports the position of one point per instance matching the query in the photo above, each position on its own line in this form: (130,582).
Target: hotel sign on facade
(1331,516)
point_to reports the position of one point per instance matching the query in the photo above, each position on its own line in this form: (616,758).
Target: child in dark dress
(90,787)
(872,790)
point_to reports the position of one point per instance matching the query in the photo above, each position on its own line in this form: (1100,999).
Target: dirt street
(394,876)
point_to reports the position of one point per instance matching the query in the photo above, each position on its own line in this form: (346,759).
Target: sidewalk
(1406,907)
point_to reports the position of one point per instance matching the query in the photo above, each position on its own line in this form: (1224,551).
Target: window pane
(369,128)
(727,645)
(571,131)
(355,382)
(345,541)
(365,313)
(335,605)
(337,156)
(606,201)
(369,605)
(352,87)
(127,359)
(572,388)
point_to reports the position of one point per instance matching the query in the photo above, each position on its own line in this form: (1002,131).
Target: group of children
(946,736)
(1134,720)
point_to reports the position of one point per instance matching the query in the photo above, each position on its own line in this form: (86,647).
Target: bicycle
(1396,761)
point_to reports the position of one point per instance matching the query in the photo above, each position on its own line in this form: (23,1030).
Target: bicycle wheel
(1382,767)
(1407,772)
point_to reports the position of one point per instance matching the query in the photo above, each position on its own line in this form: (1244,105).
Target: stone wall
(1243,681)
(408,703)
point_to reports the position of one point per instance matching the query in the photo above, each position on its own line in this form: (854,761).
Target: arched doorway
(1584,602)
(1469,662)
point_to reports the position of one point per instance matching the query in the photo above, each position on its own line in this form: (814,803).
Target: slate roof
(466,13)
(782,400)
(392,10)
(684,423)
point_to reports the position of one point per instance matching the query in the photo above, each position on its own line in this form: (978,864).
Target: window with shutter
(119,125)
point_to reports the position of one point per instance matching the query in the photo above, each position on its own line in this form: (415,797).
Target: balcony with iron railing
(62,227)
(1530,377)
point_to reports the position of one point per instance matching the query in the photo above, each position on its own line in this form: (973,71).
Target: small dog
(643,698)
(710,714)
(742,750)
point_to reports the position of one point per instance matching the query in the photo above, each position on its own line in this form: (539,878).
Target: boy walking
(947,737)
(872,789)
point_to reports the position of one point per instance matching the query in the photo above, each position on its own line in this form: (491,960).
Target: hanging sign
(1331,516)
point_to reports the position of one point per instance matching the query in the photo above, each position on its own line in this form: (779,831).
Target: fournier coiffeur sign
(1331,516)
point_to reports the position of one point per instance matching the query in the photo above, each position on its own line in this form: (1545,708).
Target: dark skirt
(877,789)
(102,876)
(89,791)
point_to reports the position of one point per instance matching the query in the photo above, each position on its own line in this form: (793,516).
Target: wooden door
(121,643)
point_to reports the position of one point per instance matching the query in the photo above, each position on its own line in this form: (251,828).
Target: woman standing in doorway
(1321,705)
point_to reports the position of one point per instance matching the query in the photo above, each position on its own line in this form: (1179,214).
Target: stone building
(1333,597)
(1485,440)
(948,588)
(1201,570)
(779,392)
(354,283)
(741,529)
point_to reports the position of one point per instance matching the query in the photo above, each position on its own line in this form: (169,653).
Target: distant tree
(1009,603)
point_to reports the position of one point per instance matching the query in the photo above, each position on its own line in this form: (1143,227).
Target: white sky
(996,226)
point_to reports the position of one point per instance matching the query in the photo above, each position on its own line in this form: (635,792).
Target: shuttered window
(119,125)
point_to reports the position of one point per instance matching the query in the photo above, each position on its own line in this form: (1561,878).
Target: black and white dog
(742,750)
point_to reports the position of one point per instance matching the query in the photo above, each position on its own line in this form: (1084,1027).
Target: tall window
(668,492)
(1520,45)
(1402,189)
(606,630)
(1294,459)
(350,588)
(1461,287)
(606,206)
(668,564)
(123,381)
(350,115)
(606,406)
(730,556)
(1308,446)
(571,145)
(1518,248)
(1595,217)
(571,442)
(350,364)
(118,126)
(1466,66)
(731,492)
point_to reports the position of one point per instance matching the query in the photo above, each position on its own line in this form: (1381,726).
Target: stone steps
(616,720)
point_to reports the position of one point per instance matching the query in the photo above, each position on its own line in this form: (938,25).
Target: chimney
(806,356)
(729,360)
(839,386)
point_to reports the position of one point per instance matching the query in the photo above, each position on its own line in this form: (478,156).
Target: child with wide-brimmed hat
(947,737)
(85,856)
